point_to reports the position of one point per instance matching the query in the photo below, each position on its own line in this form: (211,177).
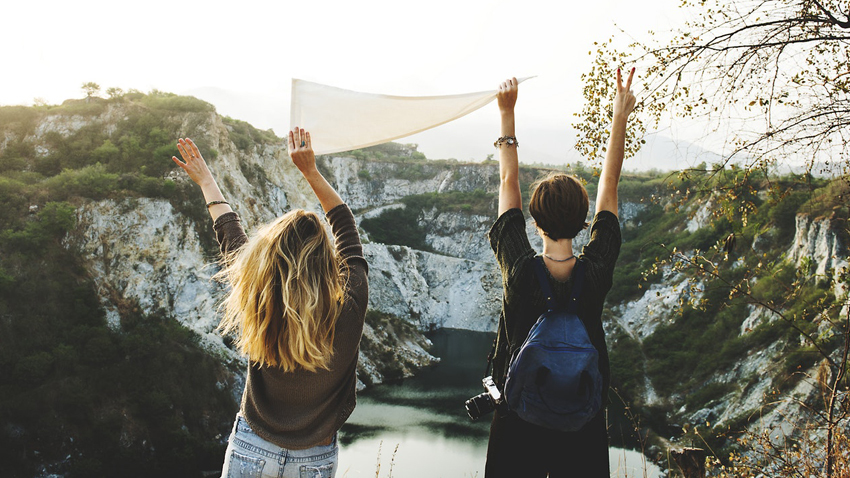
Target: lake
(419,428)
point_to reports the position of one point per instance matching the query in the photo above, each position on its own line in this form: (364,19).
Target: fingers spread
(183,152)
(194,148)
(179,163)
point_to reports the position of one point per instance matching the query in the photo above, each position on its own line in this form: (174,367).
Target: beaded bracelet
(213,203)
(509,140)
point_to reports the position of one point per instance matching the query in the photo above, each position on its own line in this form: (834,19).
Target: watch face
(511,141)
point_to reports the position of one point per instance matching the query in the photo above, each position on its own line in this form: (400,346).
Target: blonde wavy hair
(287,285)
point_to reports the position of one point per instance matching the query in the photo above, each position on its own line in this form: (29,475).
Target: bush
(244,135)
(626,362)
(51,224)
(397,226)
(476,202)
(105,152)
(92,107)
(784,215)
(91,181)
(158,100)
(705,395)
(34,368)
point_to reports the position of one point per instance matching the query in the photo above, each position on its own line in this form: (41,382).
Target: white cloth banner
(342,120)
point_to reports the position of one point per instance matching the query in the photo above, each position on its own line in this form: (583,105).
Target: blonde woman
(297,302)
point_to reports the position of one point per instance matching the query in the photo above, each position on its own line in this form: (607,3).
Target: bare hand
(301,150)
(507,95)
(194,164)
(624,102)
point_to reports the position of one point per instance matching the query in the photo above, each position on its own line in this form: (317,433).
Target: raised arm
(624,104)
(301,152)
(509,193)
(195,166)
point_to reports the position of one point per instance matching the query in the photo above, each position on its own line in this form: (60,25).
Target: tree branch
(773,44)
(832,18)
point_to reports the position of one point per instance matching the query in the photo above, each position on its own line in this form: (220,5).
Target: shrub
(51,224)
(784,215)
(93,107)
(91,181)
(397,226)
(626,362)
(105,152)
(244,135)
(158,100)
(476,202)
(34,368)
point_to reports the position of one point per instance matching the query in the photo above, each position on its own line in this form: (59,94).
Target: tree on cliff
(114,92)
(90,89)
(776,74)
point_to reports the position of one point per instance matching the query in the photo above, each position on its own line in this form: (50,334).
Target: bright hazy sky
(241,56)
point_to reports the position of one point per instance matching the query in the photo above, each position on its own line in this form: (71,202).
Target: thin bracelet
(213,203)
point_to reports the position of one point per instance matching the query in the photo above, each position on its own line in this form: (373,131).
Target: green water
(419,428)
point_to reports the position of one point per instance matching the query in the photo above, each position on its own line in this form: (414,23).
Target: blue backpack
(553,379)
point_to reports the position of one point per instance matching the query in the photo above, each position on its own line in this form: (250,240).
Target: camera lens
(479,405)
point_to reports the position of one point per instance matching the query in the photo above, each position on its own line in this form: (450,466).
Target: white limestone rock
(818,240)
(433,291)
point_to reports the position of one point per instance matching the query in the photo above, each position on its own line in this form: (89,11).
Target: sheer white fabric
(342,120)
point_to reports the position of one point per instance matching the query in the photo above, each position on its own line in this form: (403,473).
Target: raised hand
(301,150)
(195,166)
(624,102)
(507,95)
(510,196)
(193,163)
(609,179)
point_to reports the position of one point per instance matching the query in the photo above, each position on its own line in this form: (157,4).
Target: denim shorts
(249,456)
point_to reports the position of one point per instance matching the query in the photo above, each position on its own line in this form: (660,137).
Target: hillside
(109,360)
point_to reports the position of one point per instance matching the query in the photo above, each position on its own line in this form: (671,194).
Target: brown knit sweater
(298,410)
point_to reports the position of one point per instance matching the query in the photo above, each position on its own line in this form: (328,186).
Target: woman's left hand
(193,163)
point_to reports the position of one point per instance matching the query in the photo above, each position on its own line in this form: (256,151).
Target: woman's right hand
(624,102)
(507,95)
(301,153)
(193,163)
(301,150)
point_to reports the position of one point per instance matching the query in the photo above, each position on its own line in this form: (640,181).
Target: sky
(241,56)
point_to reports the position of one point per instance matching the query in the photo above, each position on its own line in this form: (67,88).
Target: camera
(484,403)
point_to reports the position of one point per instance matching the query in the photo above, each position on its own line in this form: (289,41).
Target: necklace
(547,256)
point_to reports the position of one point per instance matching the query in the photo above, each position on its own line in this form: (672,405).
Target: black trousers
(520,449)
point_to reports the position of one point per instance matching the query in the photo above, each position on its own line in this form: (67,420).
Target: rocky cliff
(766,382)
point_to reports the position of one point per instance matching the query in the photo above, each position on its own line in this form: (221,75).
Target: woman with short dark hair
(559,206)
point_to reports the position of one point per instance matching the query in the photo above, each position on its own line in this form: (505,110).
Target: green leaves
(597,113)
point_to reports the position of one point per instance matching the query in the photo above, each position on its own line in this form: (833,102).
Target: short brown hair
(559,205)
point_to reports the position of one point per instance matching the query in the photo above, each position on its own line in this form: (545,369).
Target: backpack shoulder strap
(546,288)
(578,282)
